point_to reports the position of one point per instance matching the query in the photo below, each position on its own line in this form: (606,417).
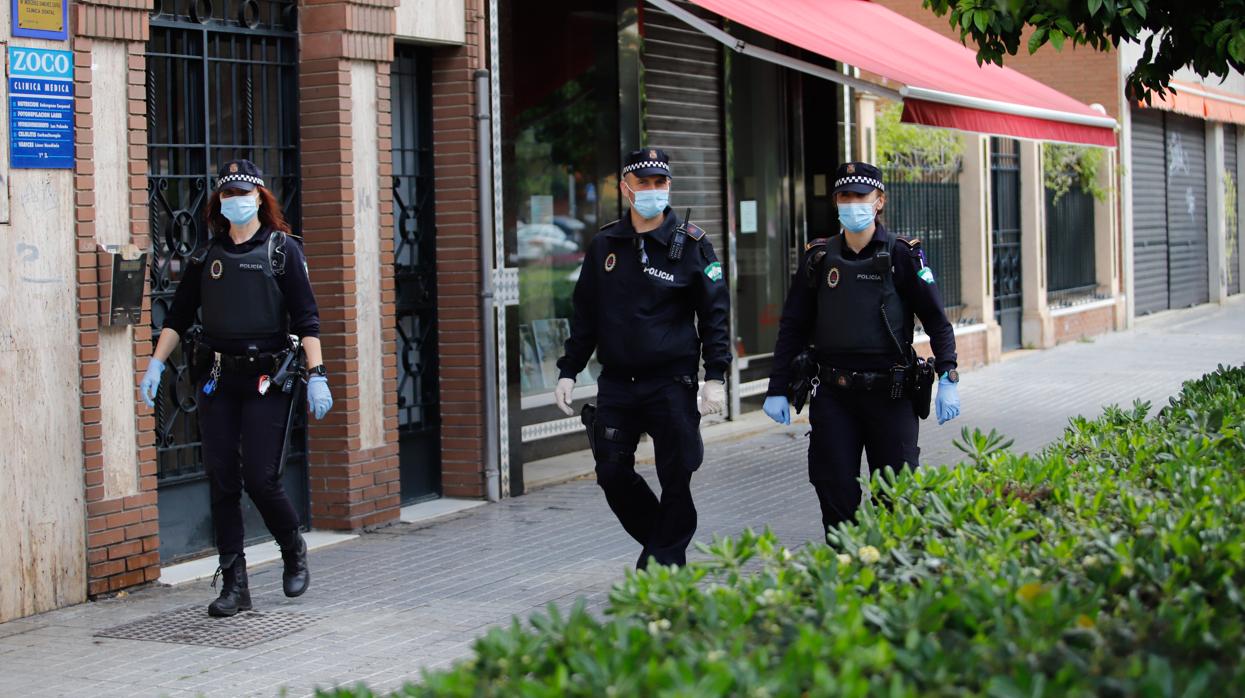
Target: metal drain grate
(193,626)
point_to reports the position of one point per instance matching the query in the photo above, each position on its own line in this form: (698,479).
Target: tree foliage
(1207,36)
(910,153)
(1065,166)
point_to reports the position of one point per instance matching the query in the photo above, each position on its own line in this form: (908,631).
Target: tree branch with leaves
(1207,36)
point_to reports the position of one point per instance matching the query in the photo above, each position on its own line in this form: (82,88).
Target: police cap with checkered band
(647,162)
(239,174)
(858,178)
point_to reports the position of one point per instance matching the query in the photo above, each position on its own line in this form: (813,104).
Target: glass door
(759,166)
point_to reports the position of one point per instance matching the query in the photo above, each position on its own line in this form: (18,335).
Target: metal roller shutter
(683,115)
(1189,269)
(1149,175)
(1234,220)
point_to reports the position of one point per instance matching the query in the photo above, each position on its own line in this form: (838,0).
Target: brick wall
(458,258)
(1083,73)
(1072,326)
(122,532)
(352,487)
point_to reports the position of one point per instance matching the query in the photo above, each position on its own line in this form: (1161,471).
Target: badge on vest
(611,260)
(832,279)
(714,271)
(926,274)
(217,269)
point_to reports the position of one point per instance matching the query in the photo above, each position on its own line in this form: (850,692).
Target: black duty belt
(844,379)
(253,365)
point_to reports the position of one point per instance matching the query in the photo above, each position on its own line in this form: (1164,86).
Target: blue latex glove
(947,404)
(319,399)
(778,409)
(151,381)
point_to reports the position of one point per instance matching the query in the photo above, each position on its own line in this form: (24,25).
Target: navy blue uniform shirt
(799,314)
(300,302)
(635,306)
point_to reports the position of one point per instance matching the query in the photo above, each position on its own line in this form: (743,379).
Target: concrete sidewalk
(410,596)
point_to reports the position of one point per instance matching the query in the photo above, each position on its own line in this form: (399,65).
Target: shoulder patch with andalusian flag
(714,271)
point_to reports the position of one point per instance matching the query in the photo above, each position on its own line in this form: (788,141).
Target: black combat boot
(296,577)
(235,594)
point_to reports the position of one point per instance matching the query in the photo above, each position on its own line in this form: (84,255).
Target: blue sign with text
(41,91)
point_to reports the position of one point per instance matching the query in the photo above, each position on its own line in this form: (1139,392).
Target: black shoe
(296,577)
(235,594)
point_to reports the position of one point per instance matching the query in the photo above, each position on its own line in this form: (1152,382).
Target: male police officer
(643,279)
(854,299)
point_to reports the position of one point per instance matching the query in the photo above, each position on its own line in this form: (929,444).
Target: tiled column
(345,52)
(119,454)
(1037,330)
(976,259)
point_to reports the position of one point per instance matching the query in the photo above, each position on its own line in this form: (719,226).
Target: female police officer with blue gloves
(853,300)
(252,287)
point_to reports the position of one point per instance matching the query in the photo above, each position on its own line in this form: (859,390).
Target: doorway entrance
(222,83)
(414,260)
(1005,238)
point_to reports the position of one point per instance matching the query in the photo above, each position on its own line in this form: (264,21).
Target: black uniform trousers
(242,434)
(843,423)
(665,409)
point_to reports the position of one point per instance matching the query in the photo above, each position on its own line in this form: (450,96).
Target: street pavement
(407,597)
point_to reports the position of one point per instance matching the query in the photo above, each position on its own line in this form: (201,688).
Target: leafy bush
(1109,564)
(908,153)
(1066,167)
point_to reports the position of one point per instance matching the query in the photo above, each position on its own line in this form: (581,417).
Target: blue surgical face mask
(649,203)
(856,217)
(240,209)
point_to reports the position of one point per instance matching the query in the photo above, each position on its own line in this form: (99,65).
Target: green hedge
(1109,564)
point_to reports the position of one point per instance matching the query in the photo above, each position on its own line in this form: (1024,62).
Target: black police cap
(858,178)
(646,162)
(239,174)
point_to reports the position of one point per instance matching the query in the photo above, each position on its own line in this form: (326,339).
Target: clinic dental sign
(40,19)
(40,108)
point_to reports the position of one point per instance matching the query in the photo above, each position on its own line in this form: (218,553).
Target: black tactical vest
(850,297)
(241,298)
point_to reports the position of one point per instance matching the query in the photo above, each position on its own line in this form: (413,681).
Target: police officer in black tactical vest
(260,343)
(846,331)
(651,301)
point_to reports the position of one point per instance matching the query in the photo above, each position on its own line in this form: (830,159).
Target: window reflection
(561,163)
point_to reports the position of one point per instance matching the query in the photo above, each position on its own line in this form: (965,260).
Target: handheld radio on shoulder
(679,239)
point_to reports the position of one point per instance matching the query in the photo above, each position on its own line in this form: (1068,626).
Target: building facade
(447,163)
(363,116)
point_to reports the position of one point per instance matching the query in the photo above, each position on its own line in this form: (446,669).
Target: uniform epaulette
(815,243)
(694,231)
(610,224)
(911,242)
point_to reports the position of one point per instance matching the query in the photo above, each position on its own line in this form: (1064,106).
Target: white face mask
(240,210)
(649,203)
(857,217)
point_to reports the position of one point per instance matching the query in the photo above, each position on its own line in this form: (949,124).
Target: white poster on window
(542,208)
(747,217)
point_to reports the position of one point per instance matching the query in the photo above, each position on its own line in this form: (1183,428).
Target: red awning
(938,78)
(1201,102)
